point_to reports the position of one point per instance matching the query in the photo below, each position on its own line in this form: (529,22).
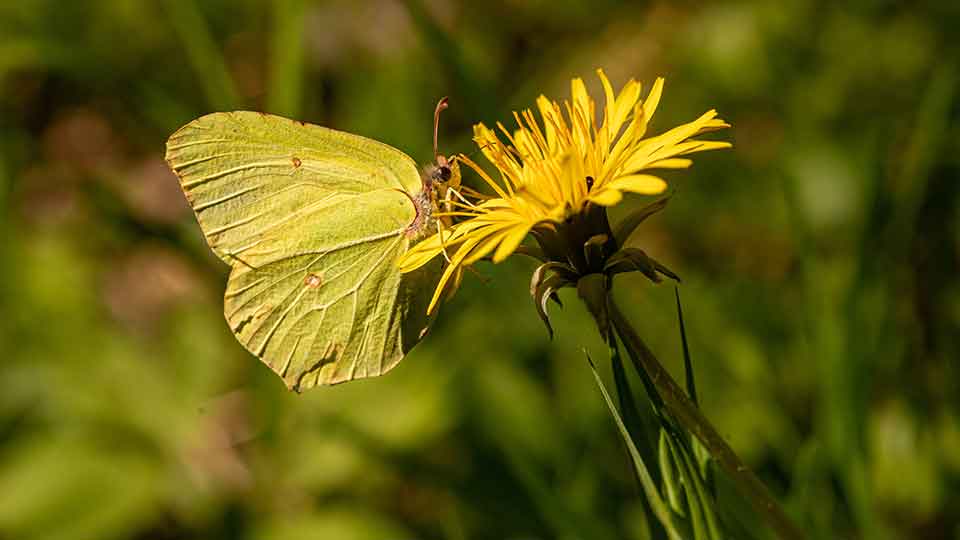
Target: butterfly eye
(440,173)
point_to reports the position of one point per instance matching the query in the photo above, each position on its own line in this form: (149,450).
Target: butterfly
(312,222)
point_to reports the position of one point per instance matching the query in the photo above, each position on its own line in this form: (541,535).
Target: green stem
(688,415)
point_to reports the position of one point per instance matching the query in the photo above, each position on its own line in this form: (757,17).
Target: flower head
(558,174)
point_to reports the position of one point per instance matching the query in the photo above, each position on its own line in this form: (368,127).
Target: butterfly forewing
(312,222)
(247,174)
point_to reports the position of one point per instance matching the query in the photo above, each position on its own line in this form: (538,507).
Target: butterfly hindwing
(312,222)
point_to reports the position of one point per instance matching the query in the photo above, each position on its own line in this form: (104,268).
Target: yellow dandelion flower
(556,171)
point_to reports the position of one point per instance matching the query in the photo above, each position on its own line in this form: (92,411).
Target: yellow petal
(424,251)
(653,99)
(670,163)
(485,247)
(608,105)
(527,145)
(508,161)
(448,272)
(412,260)
(485,177)
(626,144)
(533,128)
(550,121)
(511,241)
(495,203)
(454,283)
(664,145)
(581,102)
(624,105)
(702,146)
(684,148)
(605,197)
(643,184)
(485,138)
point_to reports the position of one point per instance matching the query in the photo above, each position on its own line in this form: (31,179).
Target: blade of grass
(473,95)
(695,511)
(701,453)
(689,416)
(160,108)
(671,480)
(695,489)
(637,424)
(653,496)
(687,363)
(554,512)
(926,142)
(285,94)
(203,54)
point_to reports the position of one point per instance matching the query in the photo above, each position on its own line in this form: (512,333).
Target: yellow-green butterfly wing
(312,222)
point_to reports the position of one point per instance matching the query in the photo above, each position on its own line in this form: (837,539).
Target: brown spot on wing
(313,281)
(296,162)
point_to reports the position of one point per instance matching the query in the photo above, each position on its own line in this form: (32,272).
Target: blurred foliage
(819,258)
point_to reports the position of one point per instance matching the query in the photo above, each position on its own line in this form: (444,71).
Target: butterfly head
(441,174)
(440,170)
(439,178)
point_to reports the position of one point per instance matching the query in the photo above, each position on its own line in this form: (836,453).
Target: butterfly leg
(458,196)
(443,244)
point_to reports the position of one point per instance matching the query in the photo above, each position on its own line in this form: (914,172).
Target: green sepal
(543,288)
(593,250)
(636,260)
(630,223)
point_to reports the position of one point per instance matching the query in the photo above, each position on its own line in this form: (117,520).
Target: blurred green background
(819,259)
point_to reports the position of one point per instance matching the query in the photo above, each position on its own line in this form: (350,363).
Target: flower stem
(675,400)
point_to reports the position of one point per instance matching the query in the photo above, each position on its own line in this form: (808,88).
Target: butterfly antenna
(441,105)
